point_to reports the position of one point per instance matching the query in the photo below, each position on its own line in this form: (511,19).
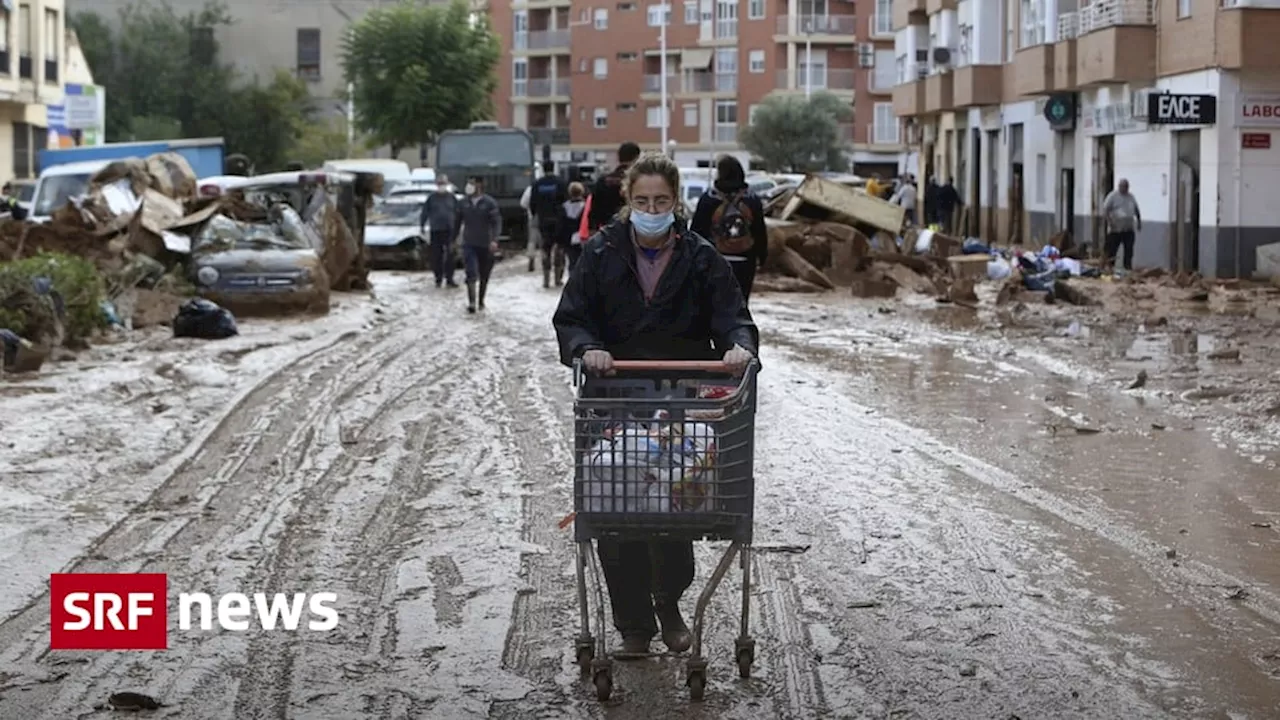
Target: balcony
(541,88)
(939,92)
(726,134)
(1033,70)
(908,99)
(903,10)
(886,133)
(545,40)
(653,83)
(550,136)
(824,80)
(1116,43)
(1246,34)
(818,28)
(933,7)
(978,85)
(1064,53)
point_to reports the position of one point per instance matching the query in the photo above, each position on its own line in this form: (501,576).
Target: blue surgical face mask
(651,225)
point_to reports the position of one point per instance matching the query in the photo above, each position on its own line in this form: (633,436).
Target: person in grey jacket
(443,214)
(481,224)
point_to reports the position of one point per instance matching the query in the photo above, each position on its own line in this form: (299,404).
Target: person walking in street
(732,218)
(606,198)
(572,213)
(442,214)
(1124,219)
(932,193)
(548,198)
(646,287)
(481,225)
(906,197)
(874,187)
(948,202)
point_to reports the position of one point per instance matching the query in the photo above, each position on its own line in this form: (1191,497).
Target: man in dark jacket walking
(948,202)
(548,195)
(738,232)
(481,225)
(606,197)
(442,214)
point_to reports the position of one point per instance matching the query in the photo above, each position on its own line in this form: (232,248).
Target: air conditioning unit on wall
(866,55)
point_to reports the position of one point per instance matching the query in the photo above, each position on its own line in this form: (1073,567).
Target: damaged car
(392,238)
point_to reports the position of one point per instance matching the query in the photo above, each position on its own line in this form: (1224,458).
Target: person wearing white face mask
(647,288)
(481,225)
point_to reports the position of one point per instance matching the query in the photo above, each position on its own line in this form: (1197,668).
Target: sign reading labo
(1171,109)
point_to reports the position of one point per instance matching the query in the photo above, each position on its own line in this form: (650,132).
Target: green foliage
(165,79)
(794,134)
(76,280)
(419,70)
(322,140)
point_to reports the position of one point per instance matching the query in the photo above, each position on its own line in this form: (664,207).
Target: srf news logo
(129,611)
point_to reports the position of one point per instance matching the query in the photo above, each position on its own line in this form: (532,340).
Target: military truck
(502,157)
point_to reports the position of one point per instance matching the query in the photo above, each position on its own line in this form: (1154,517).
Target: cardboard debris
(820,199)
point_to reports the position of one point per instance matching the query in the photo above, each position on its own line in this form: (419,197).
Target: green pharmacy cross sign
(1060,111)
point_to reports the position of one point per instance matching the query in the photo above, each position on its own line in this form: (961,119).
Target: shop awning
(696,59)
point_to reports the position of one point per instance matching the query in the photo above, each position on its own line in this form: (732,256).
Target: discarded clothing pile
(657,466)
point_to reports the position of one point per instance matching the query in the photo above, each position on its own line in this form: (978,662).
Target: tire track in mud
(226,472)
(545,617)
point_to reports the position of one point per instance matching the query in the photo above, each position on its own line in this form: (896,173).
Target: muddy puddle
(1177,526)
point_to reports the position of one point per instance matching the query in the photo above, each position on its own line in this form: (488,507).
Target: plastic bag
(924,241)
(200,318)
(998,269)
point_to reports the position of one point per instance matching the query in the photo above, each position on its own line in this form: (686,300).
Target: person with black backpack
(732,218)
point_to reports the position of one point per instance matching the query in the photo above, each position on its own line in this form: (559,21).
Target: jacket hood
(729,187)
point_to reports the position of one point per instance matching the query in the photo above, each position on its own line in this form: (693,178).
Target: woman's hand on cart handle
(737,359)
(598,362)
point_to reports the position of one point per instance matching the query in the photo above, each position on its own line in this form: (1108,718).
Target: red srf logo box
(121,611)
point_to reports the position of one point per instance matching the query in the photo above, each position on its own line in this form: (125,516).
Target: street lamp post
(808,59)
(662,72)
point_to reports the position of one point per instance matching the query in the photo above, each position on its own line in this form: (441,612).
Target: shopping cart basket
(663,450)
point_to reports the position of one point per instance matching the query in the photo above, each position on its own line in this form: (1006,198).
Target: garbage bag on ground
(974,246)
(1039,281)
(998,268)
(200,318)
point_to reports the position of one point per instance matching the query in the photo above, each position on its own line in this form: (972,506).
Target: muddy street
(950,523)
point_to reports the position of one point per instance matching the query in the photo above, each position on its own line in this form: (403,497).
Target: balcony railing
(542,87)
(1113,13)
(548,39)
(726,28)
(726,82)
(819,25)
(653,83)
(726,133)
(885,134)
(823,79)
(550,136)
(1068,26)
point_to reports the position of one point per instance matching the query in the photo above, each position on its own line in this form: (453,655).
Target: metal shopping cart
(663,450)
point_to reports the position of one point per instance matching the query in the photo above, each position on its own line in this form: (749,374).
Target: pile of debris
(824,235)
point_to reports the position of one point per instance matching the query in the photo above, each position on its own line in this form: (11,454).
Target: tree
(418,70)
(165,79)
(322,140)
(795,134)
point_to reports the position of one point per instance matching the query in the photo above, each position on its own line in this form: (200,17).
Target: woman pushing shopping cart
(663,347)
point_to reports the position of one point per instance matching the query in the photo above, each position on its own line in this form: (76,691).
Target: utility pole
(808,59)
(662,72)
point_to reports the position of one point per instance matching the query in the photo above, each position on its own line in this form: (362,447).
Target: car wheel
(421,260)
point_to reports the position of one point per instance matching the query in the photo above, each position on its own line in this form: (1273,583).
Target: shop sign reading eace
(1171,109)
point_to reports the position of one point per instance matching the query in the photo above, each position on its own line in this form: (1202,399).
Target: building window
(625,6)
(726,77)
(626,107)
(751,114)
(755,61)
(726,129)
(755,9)
(520,77)
(1184,9)
(812,72)
(582,65)
(24,44)
(690,12)
(1042,177)
(1032,24)
(726,19)
(51,49)
(884,129)
(602,19)
(601,68)
(308,53)
(691,115)
(659,14)
(520,30)
(627,57)
(882,21)
(654,116)
(601,118)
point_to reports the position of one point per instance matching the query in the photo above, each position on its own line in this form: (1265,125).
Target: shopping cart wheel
(745,651)
(603,680)
(697,682)
(586,653)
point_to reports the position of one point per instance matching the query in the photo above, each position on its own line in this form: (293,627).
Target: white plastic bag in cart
(695,466)
(623,470)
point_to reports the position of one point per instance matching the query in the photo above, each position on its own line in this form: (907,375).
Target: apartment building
(585,77)
(32,69)
(1038,107)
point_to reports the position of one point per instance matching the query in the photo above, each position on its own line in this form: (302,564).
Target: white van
(60,183)
(394,172)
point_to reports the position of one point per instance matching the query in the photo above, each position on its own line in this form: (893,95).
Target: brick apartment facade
(586,76)
(1038,107)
